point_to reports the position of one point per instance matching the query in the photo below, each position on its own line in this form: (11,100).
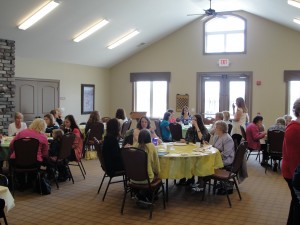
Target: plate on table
(161,150)
(162,153)
(179,144)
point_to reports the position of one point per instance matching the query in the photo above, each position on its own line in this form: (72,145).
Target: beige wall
(71,77)
(271,49)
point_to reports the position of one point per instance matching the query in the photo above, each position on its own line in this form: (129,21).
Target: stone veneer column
(7,84)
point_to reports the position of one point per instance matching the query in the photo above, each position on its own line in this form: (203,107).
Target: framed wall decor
(87,98)
(181,101)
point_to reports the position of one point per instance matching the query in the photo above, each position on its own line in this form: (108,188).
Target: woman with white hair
(16,126)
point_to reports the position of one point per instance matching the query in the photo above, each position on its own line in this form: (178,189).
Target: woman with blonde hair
(16,126)
(35,130)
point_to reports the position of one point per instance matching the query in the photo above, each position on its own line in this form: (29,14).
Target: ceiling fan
(207,12)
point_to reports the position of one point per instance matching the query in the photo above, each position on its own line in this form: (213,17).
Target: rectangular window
(150,92)
(151,97)
(294,93)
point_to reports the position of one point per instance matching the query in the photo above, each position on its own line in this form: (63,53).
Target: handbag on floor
(43,186)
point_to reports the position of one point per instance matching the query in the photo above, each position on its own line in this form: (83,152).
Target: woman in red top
(253,134)
(70,125)
(291,158)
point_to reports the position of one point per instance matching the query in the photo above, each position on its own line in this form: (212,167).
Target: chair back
(26,150)
(239,157)
(207,138)
(135,164)
(176,131)
(3,180)
(66,146)
(97,130)
(157,130)
(128,137)
(125,127)
(98,146)
(243,132)
(275,141)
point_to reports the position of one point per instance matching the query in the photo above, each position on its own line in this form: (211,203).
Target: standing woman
(111,148)
(240,117)
(95,125)
(16,126)
(185,118)
(290,160)
(121,116)
(70,125)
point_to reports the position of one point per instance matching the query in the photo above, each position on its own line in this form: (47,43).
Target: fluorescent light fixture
(123,39)
(295,3)
(296,20)
(38,15)
(91,30)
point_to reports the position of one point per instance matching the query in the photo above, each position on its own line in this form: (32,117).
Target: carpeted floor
(265,200)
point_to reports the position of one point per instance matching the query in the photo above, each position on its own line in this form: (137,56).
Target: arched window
(226,34)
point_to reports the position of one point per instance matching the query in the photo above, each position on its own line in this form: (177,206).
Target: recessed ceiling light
(38,15)
(91,30)
(123,39)
(296,20)
(295,3)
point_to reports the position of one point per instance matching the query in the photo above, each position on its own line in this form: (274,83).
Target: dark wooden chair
(157,128)
(229,128)
(25,161)
(176,131)
(125,127)
(225,176)
(275,142)
(62,158)
(98,146)
(135,164)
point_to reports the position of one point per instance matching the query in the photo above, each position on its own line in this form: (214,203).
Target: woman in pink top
(253,135)
(35,130)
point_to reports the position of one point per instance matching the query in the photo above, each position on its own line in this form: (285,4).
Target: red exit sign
(224,62)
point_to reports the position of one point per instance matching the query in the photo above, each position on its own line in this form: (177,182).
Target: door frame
(200,86)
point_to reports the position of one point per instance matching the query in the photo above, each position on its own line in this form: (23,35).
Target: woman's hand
(127,146)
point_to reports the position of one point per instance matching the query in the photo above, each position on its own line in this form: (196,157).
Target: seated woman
(224,143)
(55,144)
(96,126)
(198,132)
(16,126)
(185,118)
(55,116)
(172,118)
(253,135)
(49,119)
(59,116)
(70,125)
(121,116)
(144,143)
(165,129)
(111,148)
(35,130)
(144,123)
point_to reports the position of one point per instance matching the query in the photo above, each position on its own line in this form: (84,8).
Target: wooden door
(35,97)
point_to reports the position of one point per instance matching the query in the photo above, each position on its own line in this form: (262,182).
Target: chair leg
(82,167)
(4,218)
(13,183)
(237,188)
(151,206)
(167,190)
(249,153)
(123,203)
(227,195)
(39,179)
(81,170)
(70,173)
(53,170)
(106,188)
(204,188)
(101,182)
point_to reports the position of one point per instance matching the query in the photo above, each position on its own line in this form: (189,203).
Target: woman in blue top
(185,118)
(165,129)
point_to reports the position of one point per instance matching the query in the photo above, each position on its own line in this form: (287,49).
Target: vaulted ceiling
(51,38)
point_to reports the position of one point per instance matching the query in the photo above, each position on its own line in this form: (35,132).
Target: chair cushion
(221,174)
(154,184)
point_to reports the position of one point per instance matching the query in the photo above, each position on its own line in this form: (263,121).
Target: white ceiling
(51,38)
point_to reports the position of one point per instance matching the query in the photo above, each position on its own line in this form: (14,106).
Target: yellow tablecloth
(183,162)
(8,198)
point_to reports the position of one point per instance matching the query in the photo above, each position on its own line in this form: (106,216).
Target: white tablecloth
(8,198)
